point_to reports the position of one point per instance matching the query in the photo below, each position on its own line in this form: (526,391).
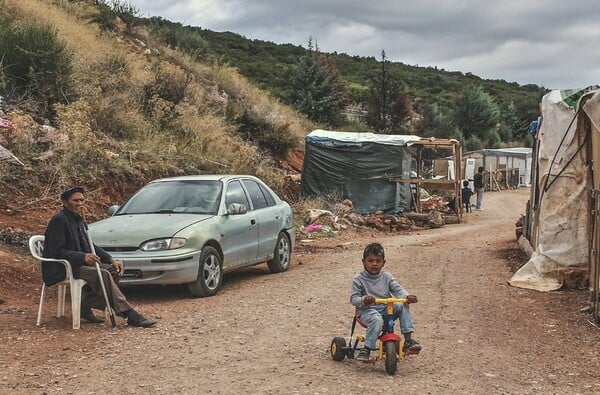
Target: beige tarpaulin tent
(558,219)
(592,109)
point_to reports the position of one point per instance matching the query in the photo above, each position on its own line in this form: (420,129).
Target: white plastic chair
(36,247)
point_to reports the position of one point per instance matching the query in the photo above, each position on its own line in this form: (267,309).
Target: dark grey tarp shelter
(359,166)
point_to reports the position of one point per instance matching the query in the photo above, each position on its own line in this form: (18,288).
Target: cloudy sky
(544,42)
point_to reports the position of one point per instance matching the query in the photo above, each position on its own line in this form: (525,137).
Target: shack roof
(357,139)
(519,152)
(332,138)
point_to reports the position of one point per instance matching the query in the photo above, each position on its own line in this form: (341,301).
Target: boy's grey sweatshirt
(382,285)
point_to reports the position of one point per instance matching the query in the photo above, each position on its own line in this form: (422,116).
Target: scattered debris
(324,222)
(15,238)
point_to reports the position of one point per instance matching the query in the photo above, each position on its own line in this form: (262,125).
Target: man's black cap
(68,192)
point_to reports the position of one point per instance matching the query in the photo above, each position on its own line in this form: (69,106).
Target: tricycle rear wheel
(337,348)
(391,356)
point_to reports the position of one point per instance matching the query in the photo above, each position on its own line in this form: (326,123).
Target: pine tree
(476,113)
(388,106)
(314,91)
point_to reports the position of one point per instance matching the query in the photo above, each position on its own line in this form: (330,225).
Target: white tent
(558,220)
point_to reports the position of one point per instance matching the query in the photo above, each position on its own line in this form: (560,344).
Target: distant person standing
(478,184)
(466,193)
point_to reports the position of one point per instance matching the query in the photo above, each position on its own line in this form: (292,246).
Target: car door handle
(252,222)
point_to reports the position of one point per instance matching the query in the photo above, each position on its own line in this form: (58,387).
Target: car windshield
(183,196)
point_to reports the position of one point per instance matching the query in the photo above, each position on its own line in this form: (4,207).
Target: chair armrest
(66,264)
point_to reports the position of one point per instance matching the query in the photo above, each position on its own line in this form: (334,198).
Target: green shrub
(107,116)
(494,140)
(36,65)
(473,143)
(274,138)
(105,18)
(169,84)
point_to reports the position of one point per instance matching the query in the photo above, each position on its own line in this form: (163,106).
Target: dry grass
(182,126)
(247,97)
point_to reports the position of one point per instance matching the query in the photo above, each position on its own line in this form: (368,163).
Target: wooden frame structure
(451,184)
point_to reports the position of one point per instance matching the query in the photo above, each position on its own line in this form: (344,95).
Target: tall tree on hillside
(434,123)
(314,92)
(476,114)
(331,68)
(511,127)
(388,106)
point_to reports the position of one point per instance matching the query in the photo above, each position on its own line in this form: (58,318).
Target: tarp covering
(358,166)
(561,220)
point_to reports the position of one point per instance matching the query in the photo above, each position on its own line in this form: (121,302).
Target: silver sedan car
(193,229)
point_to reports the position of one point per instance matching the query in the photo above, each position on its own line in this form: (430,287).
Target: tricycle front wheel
(337,348)
(391,356)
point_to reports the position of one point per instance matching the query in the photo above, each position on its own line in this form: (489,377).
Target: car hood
(128,230)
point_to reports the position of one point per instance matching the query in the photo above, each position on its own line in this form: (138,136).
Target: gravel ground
(270,333)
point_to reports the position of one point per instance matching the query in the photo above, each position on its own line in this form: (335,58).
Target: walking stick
(111,313)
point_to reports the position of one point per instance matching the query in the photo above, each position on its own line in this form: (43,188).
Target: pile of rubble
(15,237)
(435,213)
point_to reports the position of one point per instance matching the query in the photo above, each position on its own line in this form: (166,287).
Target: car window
(202,198)
(256,195)
(185,196)
(235,194)
(268,195)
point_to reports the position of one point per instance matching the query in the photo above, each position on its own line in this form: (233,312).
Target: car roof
(204,177)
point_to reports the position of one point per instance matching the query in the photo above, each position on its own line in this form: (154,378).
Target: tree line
(389,97)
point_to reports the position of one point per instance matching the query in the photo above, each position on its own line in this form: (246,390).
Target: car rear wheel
(282,255)
(210,274)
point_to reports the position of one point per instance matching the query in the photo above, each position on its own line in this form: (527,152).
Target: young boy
(374,283)
(466,194)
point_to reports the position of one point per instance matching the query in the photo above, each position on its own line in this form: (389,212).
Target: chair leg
(39,317)
(62,293)
(76,305)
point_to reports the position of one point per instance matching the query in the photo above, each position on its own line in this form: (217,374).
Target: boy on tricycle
(370,284)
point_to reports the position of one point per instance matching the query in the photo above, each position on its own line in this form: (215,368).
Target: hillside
(132,99)
(129,109)
(270,66)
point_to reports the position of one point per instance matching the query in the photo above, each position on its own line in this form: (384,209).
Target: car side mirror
(236,209)
(112,210)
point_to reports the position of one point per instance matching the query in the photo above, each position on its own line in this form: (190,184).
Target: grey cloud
(530,41)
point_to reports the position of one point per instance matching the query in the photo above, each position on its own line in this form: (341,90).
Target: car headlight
(163,244)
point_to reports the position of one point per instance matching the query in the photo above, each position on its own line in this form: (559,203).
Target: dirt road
(270,334)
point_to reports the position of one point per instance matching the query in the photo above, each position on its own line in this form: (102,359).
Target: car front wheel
(210,274)
(282,254)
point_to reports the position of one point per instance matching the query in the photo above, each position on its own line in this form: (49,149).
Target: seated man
(66,238)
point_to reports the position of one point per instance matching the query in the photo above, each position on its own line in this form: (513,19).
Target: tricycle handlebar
(391,300)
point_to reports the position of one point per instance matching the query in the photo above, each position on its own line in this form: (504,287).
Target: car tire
(210,274)
(282,254)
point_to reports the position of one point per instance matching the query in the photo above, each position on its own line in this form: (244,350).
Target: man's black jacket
(65,238)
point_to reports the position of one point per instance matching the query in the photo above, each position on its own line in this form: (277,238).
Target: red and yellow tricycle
(389,343)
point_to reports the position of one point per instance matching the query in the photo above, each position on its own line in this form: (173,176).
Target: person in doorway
(66,238)
(478,184)
(372,283)
(465,195)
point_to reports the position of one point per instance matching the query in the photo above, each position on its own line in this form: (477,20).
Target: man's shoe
(411,346)
(136,319)
(364,354)
(88,315)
